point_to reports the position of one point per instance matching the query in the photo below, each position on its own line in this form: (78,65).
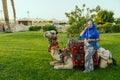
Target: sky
(49,9)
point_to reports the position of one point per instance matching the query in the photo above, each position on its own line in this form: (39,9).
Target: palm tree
(14,12)
(5,9)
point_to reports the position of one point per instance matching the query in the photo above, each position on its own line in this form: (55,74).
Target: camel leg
(69,65)
(52,63)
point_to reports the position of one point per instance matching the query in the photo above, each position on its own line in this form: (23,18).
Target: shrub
(108,28)
(34,28)
(116,28)
(73,31)
(101,28)
(49,27)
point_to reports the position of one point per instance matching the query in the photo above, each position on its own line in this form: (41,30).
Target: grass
(24,56)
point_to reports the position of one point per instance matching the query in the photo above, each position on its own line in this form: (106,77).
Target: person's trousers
(89,52)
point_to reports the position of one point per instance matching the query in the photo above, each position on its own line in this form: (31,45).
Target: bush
(49,27)
(34,28)
(116,28)
(73,31)
(108,28)
(101,28)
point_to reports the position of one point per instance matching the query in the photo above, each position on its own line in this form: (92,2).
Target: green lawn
(24,56)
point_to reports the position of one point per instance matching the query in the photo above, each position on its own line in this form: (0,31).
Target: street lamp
(28,14)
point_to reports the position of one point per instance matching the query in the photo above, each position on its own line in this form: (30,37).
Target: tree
(117,21)
(14,12)
(104,16)
(98,8)
(5,9)
(78,18)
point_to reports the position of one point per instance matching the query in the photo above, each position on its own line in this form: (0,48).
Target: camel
(63,58)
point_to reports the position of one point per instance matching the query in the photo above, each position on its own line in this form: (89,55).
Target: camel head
(52,38)
(51,34)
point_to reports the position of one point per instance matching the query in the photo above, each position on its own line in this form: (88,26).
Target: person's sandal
(85,71)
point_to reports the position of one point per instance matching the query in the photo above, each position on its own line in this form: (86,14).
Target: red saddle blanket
(78,53)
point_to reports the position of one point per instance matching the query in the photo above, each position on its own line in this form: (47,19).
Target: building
(25,21)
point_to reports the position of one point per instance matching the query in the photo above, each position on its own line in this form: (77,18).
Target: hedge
(49,27)
(34,28)
(109,28)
